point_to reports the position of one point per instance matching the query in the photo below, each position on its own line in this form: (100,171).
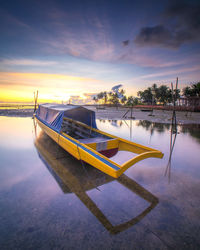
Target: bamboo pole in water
(173,130)
(35,100)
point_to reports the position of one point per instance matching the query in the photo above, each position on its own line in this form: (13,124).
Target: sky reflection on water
(48,200)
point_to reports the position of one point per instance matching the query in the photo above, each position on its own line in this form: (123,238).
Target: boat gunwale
(84,147)
(148,149)
(115,168)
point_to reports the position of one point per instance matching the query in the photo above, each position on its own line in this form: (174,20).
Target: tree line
(152,95)
(115,98)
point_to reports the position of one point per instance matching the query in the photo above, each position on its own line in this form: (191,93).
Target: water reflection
(173,134)
(192,129)
(37,214)
(115,123)
(66,171)
(162,136)
(152,126)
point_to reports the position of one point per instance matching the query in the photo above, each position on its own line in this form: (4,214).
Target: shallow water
(49,200)
(16,106)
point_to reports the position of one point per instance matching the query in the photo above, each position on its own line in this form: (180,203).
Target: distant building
(192,103)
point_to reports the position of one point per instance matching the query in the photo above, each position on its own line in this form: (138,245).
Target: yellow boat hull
(88,151)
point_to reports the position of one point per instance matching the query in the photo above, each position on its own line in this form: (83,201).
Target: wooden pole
(175,104)
(131,111)
(173,130)
(176,84)
(172,92)
(35,100)
(131,129)
(124,116)
(174,95)
(34,103)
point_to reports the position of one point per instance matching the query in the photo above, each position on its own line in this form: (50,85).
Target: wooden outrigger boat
(74,129)
(72,179)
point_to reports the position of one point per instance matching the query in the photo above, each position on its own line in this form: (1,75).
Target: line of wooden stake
(35,100)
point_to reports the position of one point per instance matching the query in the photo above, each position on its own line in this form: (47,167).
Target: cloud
(116,87)
(182,25)
(26,62)
(76,100)
(157,35)
(126,43)
(88,38)
(12,21)
(90,45)
(149,57)
(57,81)
(90,95)
(87,98)
(174,72)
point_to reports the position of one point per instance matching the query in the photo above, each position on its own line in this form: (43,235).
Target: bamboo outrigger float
(74,129)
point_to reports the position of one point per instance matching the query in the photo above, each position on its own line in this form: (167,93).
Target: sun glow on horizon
(20,87)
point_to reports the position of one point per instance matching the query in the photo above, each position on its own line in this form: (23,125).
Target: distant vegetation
(152,95)
(193,90)
(115,98)
(162,95)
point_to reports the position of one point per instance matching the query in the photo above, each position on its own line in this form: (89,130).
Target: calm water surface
(49,200)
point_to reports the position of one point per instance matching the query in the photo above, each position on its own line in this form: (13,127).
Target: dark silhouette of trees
(154,94)
(131,101)
(124,99)
(100,96)
(192,91)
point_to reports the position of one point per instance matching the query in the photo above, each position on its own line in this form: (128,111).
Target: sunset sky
(78,48)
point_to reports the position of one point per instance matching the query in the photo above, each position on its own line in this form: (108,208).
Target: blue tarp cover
(53,114)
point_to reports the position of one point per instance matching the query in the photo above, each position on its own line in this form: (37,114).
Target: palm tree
(130,101)
(95,99)
(194,90)
(146,95)
(114,99)
(154,90)
(105,95)
(124,99)
(100,95)
(164,94)
(122,92)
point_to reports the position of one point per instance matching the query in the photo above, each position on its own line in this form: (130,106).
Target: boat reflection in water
(71,178)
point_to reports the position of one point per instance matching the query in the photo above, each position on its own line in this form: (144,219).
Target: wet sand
(159,116)
(16,112)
